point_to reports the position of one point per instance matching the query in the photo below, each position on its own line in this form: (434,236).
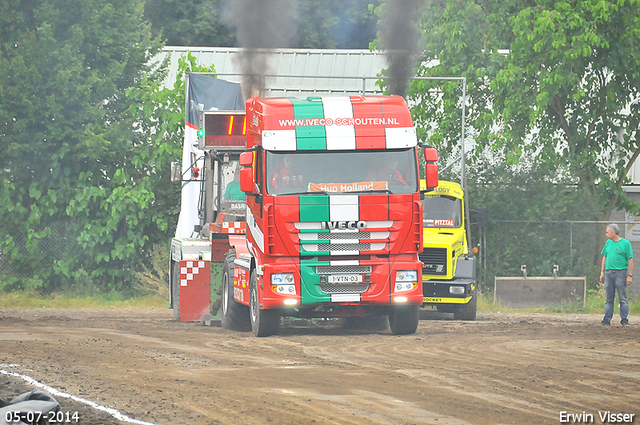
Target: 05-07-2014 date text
(34,417)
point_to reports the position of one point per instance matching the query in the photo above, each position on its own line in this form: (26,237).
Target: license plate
(344,278)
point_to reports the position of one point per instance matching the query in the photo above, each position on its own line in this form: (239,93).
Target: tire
(468,310)
(235,316)
(263,322)
(175,289)
(403,319)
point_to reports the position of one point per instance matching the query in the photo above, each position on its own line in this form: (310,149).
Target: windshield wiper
(300,193)
(323,192)
(388,191)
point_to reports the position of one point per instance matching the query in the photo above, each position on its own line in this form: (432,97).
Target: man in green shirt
(233,192)
(615,273)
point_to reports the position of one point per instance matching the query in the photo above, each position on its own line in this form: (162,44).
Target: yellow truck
(449,272)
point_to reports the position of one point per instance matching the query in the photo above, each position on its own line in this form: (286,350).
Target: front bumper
(377,290)
(437,292)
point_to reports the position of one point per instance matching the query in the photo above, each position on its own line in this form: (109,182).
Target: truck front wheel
(235,316)
(468,310)
(263,322)
(403,319)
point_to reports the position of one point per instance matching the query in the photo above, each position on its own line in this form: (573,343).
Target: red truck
(333,214)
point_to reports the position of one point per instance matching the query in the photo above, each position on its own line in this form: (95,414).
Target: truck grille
(340,288)
(340,247)
(435,261)
(343,236)
(313,239)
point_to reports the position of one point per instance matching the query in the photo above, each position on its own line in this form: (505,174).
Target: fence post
(571,246)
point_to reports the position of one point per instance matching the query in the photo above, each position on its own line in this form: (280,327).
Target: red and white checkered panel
(195,290)
(234,227)
(193,268)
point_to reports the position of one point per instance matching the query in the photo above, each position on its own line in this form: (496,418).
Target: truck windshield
(234,202)
(441,211)
(300,172)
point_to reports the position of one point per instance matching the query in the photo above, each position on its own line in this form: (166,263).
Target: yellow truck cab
(449,272)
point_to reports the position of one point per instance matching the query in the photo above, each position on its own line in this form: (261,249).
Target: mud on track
(501,369)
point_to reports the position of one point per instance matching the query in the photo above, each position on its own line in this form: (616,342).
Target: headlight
(282,279)
(407,276)
(283,283)
(406,280)
(284,289)
(404,286)
(458,290)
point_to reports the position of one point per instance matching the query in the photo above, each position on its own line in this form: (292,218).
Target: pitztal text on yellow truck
(334,217)
(449,273)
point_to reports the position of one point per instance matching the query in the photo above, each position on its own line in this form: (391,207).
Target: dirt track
(502,369)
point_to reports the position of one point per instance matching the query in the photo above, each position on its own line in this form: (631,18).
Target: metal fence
(504,247)
(22,254)
(508,248)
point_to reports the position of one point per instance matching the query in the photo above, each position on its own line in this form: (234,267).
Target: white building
(308,72)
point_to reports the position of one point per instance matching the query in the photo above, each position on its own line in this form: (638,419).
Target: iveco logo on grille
(343,225)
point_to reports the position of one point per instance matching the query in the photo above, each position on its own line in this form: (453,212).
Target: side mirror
(247,179)
(176,171)
(246,159)
(431,169)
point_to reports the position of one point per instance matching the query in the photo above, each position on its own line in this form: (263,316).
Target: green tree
(189,23)
(555,82)
(74,205)
(552,109)
(335,24)
(159,115)
(344,24)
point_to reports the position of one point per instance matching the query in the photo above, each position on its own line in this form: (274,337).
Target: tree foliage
(552,110)
(554,82)
(335,24)
(76,201)
(345,24)
(189,23)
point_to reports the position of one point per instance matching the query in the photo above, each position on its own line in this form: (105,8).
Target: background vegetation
(87,131)
(553,89)
(327,24)
(69,156)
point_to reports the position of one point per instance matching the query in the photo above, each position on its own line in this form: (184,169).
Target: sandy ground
(501,369)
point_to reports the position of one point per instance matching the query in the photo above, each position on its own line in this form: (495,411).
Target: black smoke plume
(400,39)
(262,25)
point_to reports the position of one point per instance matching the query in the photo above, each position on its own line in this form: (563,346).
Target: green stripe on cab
(314,208)
(310,290)
(309,137)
